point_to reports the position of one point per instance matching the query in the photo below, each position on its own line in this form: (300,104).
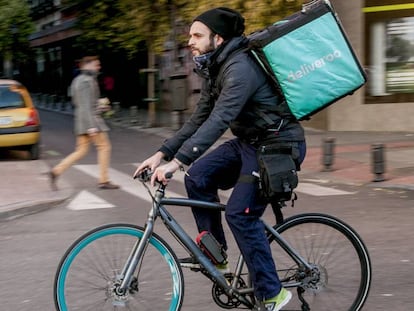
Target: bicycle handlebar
(145,175)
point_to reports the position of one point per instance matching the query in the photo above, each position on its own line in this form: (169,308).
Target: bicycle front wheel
(89,273)
(341,274)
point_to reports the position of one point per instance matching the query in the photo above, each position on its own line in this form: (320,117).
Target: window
(399,53)
(389,32)
(10,99)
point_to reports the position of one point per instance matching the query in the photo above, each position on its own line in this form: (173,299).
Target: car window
(10,98)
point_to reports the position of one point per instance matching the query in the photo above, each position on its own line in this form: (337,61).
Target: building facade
(57,55)
(382,34)
(53,43)
(380,31)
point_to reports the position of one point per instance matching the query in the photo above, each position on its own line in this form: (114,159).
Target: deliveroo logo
(309,68)
(314,65)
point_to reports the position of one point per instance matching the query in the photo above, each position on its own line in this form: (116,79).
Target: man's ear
(218,40)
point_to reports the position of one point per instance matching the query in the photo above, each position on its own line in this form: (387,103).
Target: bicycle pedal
(191,266)
(195,269)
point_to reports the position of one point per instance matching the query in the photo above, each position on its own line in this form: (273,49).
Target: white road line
(316,190)
(86,200)
(125,181)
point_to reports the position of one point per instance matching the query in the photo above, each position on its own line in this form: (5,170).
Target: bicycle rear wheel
(341,276)
(89,273)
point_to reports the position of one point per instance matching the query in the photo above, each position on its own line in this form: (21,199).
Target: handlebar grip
(146,174)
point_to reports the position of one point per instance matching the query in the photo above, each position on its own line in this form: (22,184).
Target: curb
(32,199)
(18,210)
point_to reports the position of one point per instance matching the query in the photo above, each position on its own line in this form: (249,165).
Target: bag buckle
(277,130)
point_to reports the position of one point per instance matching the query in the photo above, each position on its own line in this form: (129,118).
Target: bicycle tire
(337,252)
(89,271)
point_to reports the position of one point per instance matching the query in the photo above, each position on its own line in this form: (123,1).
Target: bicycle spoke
(341,276)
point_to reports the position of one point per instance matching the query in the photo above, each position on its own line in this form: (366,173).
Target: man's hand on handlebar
(149,164)
(144,175)
(161,173)
(164,172)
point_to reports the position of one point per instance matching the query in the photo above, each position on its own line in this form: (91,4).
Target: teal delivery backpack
(308,56)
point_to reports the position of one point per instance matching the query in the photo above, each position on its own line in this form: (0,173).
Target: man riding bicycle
(235,94)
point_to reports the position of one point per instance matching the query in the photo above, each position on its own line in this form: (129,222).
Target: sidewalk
(25,189)
(353,158)
(24,186)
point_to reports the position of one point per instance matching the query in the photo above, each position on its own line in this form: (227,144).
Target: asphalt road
(32,246)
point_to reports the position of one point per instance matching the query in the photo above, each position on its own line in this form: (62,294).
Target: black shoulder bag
(278,168)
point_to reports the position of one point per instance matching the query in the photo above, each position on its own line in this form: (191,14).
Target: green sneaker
(223,268)
(278,302)
(191,263)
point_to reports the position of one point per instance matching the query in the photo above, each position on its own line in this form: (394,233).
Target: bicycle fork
(137,252)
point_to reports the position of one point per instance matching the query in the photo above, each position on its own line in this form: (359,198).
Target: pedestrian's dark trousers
(220,169)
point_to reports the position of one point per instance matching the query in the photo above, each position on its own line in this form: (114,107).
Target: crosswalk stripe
(86,200)
(316,190)
(303,187)
(125,181)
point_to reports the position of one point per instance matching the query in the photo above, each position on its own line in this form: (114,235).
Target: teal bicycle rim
(168,257)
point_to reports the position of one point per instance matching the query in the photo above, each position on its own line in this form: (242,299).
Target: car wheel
(34,151)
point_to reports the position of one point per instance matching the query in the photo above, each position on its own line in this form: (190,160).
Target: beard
(209,48)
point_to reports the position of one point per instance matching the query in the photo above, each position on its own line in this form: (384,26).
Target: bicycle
(128,267)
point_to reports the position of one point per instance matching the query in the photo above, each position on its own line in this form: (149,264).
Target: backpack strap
(272,84)
(263,116)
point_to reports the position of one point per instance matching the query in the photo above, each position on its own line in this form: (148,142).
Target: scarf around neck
(201,61)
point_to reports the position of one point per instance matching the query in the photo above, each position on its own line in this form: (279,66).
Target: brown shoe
(108,185)
(53,178)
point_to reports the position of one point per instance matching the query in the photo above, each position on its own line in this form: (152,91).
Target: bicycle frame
(122,275)
(159,210)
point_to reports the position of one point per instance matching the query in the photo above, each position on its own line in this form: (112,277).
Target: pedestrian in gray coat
(89,126)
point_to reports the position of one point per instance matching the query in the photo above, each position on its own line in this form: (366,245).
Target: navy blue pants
(220,169)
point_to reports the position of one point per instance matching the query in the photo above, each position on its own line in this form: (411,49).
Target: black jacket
(234,89)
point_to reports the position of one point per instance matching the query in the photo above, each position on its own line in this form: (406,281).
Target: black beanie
(223,21)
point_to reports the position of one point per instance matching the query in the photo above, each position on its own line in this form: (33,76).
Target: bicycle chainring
(220,297)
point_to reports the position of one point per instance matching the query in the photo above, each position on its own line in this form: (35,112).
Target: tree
(131,24)
(15,28)
(127,24)
(121,25)
(258,14)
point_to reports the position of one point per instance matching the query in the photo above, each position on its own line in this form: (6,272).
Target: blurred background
(146,65)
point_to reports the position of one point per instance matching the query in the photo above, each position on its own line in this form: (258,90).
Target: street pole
(378,161)
(328,153)
(178,78)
